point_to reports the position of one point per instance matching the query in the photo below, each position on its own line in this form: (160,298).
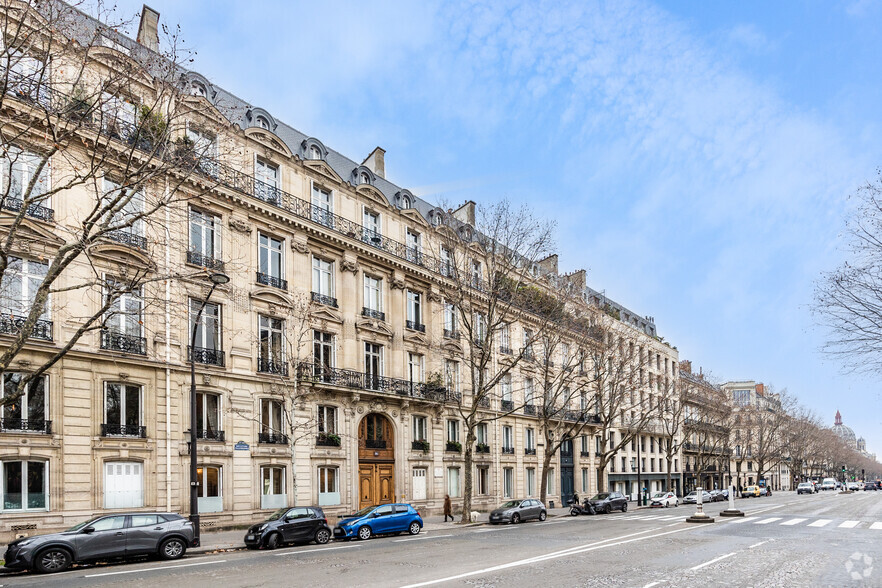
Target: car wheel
(364,532)
(607,509)
(322,536)
(543,515)
(414,528)
(52,560)
(625,507)
(515,519)
(172,548)
(273,541)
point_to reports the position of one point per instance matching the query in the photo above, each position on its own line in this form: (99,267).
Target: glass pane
(278,479)
(200,411)
(266,474)
(13,410)
(331,484)
(212,482)
(133,406)
(211,412)
(113,408)
(12,484)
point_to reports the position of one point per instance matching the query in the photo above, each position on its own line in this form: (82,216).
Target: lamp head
(219,278)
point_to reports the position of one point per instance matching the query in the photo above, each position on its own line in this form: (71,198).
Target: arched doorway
(376,461)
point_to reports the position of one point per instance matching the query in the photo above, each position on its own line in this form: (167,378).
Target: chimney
(465,213)
(686,366)
(148,30)
(376,162)
(577,279)
(549,264)
(760,389)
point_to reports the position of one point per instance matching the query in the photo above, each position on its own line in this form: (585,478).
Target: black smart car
(299,524)
(609,501)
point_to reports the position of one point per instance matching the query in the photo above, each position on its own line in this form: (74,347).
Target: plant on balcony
(78,105)
(454,446)
(152,127)
(330,439)
(421,445)
(482,448)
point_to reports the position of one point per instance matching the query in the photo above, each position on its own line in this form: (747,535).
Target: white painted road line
(849,525)
(142,570)
(793,522)
(715,560)
(767,521)
(760,543)
(744,520)
(316,550)
(820,523)
(876,525)
(423,537)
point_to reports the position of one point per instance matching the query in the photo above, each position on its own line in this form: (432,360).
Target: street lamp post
(639,485)
(217,279)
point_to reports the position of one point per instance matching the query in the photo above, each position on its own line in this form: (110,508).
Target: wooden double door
(376,461)
(376,483)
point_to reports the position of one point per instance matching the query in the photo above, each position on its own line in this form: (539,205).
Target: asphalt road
(786,540)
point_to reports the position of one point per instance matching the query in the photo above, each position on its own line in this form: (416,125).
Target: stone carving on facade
(360,409)
(123,376)
(206,379)
(435,296)
(298,244)
(398,283)
(240,226)
(348,265)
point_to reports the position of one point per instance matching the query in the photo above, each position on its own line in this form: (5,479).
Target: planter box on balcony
(454,446)
(420,446)
(327,440)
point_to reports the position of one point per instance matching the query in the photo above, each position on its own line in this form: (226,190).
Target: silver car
(164,534)
(515,511)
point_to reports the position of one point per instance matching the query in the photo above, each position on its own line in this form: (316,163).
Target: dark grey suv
(609,501)
(289,525)
(165,534)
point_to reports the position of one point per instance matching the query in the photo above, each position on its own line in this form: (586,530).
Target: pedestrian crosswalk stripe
(876,525)
(767,521)
(744,520)
(675,517)
(849,524)
(820,523)
(794,521)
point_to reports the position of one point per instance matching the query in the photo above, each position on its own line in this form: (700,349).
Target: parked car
(380,520)
(719,495)
(515,511)
(289,525)
(853,486)
(764,491)
(805,488)
(607,502)
(692,497)
(751,491)
(119,535)
(829,484)
(870,486)
(664,499)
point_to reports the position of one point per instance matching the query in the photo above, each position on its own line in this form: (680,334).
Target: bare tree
(707,424)
(672,423)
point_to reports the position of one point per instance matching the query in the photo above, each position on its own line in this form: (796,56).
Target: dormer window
(405,202)
(315,153)
(262,122)
(364,178)
(197,89)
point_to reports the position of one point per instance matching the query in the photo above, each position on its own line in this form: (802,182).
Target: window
(328,485)
(262,122)
(23,485)
(123,484)
(481,434)
(266,182)
(624,465)
(507,438)
(371,228)
(415,367)
(549,481)
(414,248)
(420,428)
(118,115)
(450,321)
(530,439)
(453,482)
(505,338)
(531,481)
(505,386)
(124,315)
(322,206)
(205,239)
(204,146)
(373,297)
(584,480)
(446,262)
(323,277)
(652,465)
(127,223)
(480,330)
(17,169)
(210,489)
(122,410)
(528,391)
(18,290)
(271,350)
(482,479)
(208,416)
(507,482)
(323,354)
(315,153)
(271,262)
(272,491)
(146,520)
(373,364)
(528,343)
(451,374)
(208,335)
(477,275)
(270,419)
(414,311)
(28,413)
(584,449)
(453,431)
(327,420)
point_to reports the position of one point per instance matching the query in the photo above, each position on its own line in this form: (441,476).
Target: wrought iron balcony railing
(507,404)
(375,443)
(268,280)
(11,324)
(116,341)
(327,440)
(529,451)
(114,430)
(272,438)
(584,454)
(321,374)
(34,210)
(127,238)
(504,350)
(324,299)
(206,261)
(269,366)
(209,435)
(482,448)
(484,402)
(508,450)
(371,313)
(206,356)
(530,409)
(420,445)
(29,426)
(451,334)
(455,446)
(415,326)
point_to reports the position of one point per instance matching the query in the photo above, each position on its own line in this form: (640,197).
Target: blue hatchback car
(378,520)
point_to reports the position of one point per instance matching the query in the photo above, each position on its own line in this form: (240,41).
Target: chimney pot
(148,29)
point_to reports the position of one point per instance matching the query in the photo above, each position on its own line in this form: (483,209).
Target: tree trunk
(669,478)
(543,483)
(467,475)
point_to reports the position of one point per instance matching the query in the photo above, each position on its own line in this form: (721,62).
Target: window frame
(25,493)
(266,252)
(25,400)
(123,401)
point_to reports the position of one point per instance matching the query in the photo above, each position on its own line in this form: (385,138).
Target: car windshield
(601,496)
(659,495)
(278,514)
(510,504)
(692,494)
(84,524)
(364,511)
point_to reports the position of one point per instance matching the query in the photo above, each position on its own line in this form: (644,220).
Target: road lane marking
(507,528)
(295,552)
(793,522)
(554,555)
(876,525)
(744,520)
(820,523)
(767,521)
(198,563)
(760,543)
(849,524)
(418,538)
(715,560)
(650,585)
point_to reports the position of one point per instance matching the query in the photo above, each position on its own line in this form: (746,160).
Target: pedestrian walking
(448,508)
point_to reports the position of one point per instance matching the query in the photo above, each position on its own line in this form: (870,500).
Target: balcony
(34,210)
(272,438)
(375,443)
(114,430)
(205,261)
(451,334)
(453,446)
(508,450)
(116,341)
(327,440)
(507,405)
(127,238)
(584,454)
(484,402)
(420,445)
(505,350)
(482,448)
(529,451)
(324,299)
(320,374)
(206,356)
(272,281)
(269,366)
(415,326)
(11,324)
(374,314)
(209,435)
(530,409)
(26,426)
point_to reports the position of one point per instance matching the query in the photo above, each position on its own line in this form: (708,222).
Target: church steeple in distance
(838,418)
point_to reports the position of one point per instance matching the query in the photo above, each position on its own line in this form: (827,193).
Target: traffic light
(843,469)
(862,473)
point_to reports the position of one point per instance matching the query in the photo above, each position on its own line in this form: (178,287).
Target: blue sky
(697,156)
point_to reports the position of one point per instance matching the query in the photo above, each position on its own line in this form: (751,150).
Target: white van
(828,484)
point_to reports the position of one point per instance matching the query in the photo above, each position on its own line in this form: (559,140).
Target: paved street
(785,540)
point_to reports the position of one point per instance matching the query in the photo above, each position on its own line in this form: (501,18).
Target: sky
(697,157)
